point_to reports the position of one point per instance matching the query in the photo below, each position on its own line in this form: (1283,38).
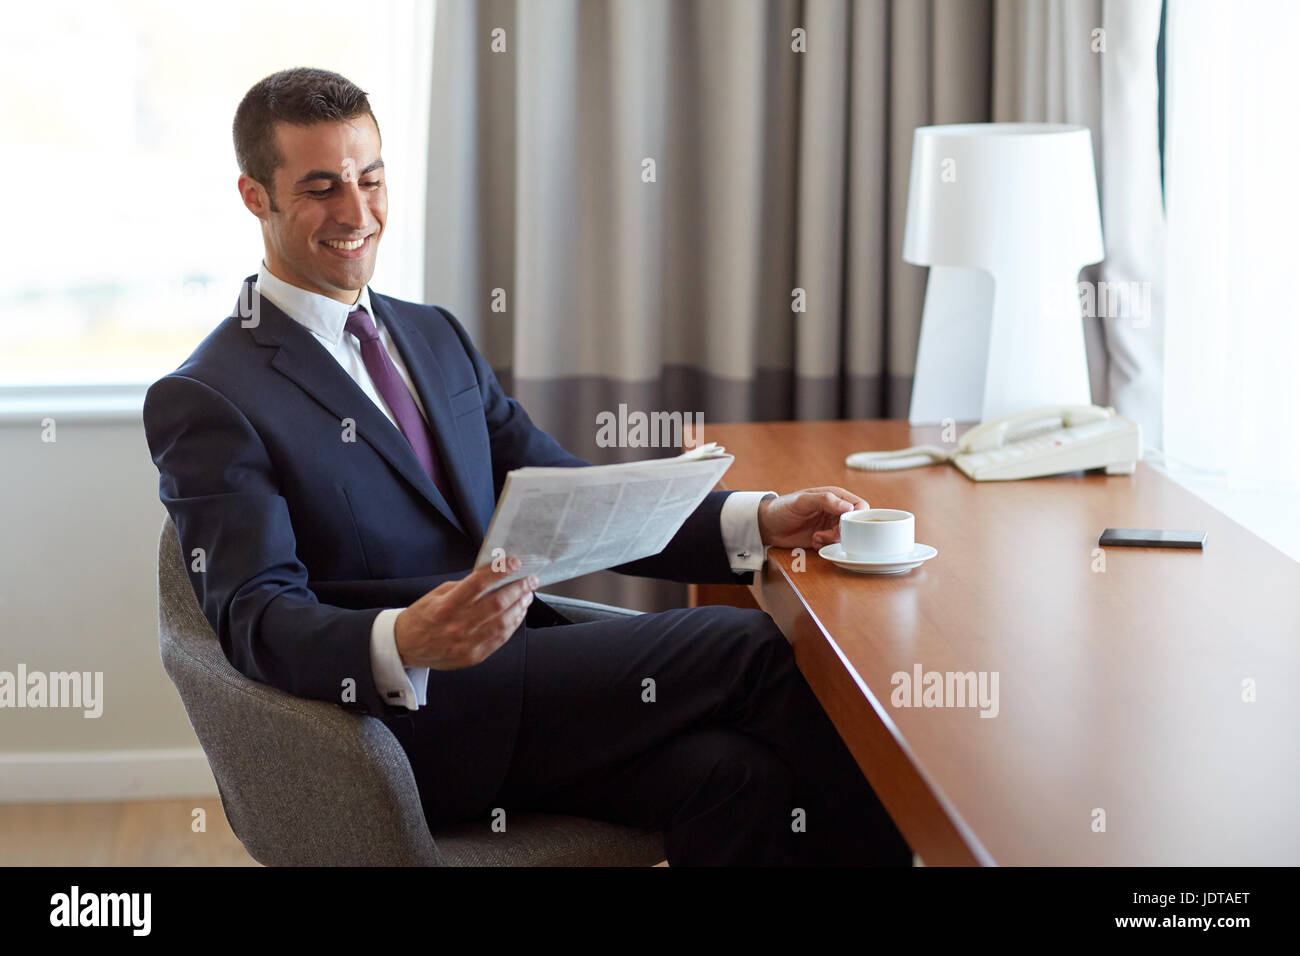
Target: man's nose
(352,210)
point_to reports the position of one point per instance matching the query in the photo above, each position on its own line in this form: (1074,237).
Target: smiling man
(338,461)
(323,233)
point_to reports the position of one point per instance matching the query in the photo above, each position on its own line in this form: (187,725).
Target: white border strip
(28,405)
(105,775)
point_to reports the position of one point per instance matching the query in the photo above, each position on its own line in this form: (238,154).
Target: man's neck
(342,297)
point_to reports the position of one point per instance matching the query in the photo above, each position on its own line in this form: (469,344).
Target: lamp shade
(1005,215)
(980,194)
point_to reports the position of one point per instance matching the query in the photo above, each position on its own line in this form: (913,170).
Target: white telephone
(1042,441)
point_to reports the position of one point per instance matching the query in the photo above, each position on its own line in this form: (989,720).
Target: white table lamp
(1005,215)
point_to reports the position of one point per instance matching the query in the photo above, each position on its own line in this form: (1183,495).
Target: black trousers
(699,722)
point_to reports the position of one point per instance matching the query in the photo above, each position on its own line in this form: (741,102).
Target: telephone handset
(1048,440)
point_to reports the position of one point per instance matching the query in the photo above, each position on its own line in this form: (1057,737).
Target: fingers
(835,505)
(503,599)
(461,623)
(503,617)
(843,494)
(833,500)
(513,614)
(475,606)
(471,593)
(823,538)
(476,584)
(488,621)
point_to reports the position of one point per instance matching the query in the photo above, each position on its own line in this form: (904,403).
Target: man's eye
(373,183)
(318,192)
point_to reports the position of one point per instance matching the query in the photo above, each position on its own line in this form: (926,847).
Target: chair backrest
(302,782)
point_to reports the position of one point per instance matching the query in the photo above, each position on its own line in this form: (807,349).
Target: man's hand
(808,518)
(455,625)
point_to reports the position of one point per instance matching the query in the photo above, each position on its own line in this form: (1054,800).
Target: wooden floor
(138,833)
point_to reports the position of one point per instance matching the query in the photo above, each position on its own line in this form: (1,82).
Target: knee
(756,646)
(740,767)
(752,629)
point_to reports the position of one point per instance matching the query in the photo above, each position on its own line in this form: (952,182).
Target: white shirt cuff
(740,535)
(400,686)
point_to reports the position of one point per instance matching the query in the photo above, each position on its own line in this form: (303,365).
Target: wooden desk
(1119,690)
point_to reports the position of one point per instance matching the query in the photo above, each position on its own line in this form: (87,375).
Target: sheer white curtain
(1232,381)
(1093,62)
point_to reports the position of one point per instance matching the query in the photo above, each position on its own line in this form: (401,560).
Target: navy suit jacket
(306,536)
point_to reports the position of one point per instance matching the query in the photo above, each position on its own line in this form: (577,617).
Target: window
(1232,391)
(125,237)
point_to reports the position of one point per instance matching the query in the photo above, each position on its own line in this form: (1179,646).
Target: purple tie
(389,382)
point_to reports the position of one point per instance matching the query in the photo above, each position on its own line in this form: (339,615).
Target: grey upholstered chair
(307,783)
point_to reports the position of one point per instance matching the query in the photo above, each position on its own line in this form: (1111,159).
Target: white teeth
(346,246)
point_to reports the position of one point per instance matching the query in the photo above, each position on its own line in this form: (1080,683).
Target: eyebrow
(334,177)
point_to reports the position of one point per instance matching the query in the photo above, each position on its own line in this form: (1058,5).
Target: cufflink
(743,554)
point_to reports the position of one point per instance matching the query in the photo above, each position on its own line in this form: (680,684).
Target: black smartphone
(1147,538)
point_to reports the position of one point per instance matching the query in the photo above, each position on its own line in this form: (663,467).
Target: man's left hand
(808,518)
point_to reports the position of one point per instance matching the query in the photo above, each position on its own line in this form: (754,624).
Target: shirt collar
(320,314)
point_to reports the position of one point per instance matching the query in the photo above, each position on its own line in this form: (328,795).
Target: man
(335,455)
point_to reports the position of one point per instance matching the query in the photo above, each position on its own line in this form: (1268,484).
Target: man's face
(329,195)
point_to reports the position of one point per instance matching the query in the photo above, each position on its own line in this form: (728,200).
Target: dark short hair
(300,96)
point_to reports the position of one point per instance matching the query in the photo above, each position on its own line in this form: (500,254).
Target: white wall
(80,519)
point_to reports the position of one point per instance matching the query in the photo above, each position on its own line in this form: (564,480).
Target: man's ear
(255,197)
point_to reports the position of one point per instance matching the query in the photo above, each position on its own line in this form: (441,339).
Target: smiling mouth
(346,245)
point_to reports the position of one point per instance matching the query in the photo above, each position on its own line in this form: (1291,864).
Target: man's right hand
(456,625)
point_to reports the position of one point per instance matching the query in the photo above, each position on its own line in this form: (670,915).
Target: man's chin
(349,279)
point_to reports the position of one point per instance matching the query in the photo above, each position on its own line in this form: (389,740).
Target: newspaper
(565,522)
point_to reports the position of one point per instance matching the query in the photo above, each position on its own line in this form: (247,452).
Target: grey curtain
(699,206)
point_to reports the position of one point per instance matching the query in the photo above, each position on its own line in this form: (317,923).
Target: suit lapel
(306,362)
(429,380)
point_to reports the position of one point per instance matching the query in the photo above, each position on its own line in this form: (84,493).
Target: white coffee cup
(874,534)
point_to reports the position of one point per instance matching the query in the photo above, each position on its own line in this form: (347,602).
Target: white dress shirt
(325,318)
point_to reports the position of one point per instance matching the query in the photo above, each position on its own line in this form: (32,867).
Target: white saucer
(894,565)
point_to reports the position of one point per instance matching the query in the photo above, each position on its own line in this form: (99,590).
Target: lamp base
(1037,355)
(950,357)
(983,356)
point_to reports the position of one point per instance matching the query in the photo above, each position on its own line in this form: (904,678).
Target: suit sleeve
(696,553)
(220,488)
